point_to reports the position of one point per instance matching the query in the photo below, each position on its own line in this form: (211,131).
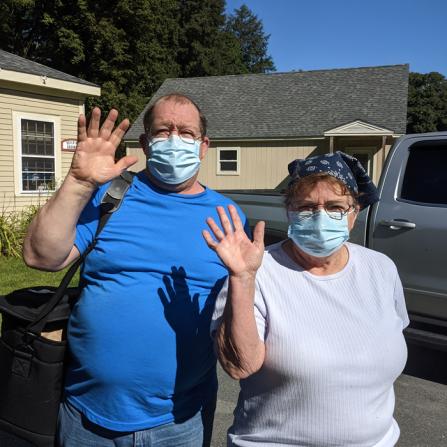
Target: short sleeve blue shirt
(141,354)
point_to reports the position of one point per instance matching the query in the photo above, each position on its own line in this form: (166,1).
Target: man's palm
(94,159)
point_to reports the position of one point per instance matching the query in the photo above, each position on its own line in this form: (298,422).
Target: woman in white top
(312,327)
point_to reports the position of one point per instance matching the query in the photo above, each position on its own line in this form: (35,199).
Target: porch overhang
(358,128)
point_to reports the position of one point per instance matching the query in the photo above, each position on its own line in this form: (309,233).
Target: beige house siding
(14,103)
(263,164)
(135,150)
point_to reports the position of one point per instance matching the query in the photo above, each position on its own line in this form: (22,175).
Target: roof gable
(357,128)
(295,104)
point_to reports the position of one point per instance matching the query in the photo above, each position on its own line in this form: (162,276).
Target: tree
(206,48)
(427,103)
(249,31)
(128,47)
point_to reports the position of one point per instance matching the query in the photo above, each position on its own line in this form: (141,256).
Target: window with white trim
(228,161)
(37,155)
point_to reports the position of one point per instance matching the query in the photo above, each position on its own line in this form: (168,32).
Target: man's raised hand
(241,256)
(94,159)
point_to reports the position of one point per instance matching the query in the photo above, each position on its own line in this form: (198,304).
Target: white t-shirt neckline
(295,266)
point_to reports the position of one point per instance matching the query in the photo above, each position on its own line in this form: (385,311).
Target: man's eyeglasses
(187,136)
(336,212)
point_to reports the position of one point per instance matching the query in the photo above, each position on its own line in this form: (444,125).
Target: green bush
(13,226)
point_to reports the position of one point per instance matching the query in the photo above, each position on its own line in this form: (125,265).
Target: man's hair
(176,97)
(305,184)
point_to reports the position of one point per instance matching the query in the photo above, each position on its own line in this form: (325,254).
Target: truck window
(425,178)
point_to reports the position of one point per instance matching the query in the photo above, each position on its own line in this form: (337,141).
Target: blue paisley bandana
(342,166)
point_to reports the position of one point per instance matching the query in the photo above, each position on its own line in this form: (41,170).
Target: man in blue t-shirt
(142,366)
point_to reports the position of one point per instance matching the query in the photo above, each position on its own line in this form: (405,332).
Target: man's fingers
(226,224)
(93,125)
(258,233)
(119,132)
(108,125)
(218,234)
(82,131)
(123,163)
(235,218)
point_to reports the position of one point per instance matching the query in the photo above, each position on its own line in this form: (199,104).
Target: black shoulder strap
(113,198)
(109,204)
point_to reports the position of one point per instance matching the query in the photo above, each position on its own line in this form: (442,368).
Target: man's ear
(144,144)
(204,146)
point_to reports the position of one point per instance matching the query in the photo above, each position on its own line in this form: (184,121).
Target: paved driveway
(421,411)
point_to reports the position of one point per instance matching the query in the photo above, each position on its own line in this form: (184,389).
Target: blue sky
(322,34)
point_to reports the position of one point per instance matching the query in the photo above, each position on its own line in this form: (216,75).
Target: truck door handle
(395,224)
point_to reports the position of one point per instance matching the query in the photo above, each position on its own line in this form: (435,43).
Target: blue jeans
(74,430)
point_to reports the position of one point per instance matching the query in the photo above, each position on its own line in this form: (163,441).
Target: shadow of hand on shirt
(182,311)
(190,319)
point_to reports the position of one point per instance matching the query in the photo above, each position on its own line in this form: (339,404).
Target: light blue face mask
(319,235)
(173,161)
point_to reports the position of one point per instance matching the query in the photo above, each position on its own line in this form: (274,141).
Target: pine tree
(249,31)
(206,48)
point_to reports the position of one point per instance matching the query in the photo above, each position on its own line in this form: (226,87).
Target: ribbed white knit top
(334,347)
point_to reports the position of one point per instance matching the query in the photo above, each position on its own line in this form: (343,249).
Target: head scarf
(342,166)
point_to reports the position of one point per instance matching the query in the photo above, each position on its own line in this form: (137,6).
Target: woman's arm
(240,350)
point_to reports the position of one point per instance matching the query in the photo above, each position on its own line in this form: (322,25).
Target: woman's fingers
(235,218)
(226,224)
(93,125)
(258,233)
(209,240)
(218,234)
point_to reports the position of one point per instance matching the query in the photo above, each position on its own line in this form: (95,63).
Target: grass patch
(14,274)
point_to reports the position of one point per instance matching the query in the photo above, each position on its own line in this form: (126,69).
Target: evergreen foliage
(206,48)
(249,31)
(427,103)
(129,47)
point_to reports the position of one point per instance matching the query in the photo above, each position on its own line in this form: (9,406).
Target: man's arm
(48,244)
(239,348)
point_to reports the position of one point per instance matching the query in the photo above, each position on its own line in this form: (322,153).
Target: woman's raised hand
(241,256)
(94,159)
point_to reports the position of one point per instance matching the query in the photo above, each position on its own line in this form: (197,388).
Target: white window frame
(17,130)
(363,150)
(238,160)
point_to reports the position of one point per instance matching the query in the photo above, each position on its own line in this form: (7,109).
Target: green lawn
(14,274)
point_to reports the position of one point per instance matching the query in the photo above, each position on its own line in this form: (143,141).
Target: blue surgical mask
(173,160)
(319,235)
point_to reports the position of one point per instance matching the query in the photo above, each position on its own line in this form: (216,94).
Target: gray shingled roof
(9,61)
(295,104)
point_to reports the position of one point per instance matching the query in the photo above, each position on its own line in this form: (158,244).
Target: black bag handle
(109,204)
